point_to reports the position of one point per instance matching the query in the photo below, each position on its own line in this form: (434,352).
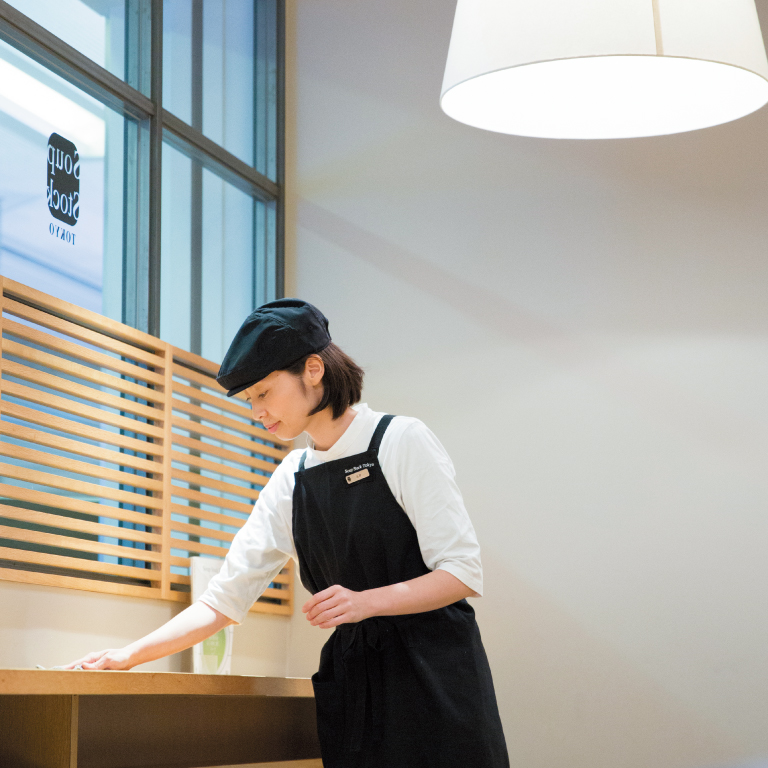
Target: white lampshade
(601,69)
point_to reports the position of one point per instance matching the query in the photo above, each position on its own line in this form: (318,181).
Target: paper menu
(214,655)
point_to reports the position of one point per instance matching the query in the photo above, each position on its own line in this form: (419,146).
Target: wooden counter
(68,719)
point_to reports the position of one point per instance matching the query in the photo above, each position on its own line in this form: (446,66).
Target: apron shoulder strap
(302,460)
(381,427)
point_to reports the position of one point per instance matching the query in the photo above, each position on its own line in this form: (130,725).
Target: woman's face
(282,401)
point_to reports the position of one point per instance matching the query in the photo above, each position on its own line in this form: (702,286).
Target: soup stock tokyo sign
(63,188)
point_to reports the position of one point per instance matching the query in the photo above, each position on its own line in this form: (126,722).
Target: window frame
(152,126)
(142,255)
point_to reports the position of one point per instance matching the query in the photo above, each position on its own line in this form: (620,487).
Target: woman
(373,516)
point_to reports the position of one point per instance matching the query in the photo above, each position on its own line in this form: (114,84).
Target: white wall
(585,327)
(52,626)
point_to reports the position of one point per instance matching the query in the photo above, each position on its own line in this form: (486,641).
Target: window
(109,32)
(169,116)
(210,279)
(141,146)
(64,159)
(220,74)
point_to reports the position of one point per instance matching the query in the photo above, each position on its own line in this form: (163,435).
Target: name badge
(361,475)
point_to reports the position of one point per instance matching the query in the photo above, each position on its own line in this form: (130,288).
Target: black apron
(410,691)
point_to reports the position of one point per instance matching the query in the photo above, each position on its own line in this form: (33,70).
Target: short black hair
(342,380)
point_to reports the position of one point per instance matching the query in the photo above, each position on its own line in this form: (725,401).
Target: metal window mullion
(196,185)
(280,223)
(193,143)
(136,176)
(44,47)
(131,278)
(155,169)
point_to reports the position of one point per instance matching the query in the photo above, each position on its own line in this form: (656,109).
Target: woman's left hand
(336,605)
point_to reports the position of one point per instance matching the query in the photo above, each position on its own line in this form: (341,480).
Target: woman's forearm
(424,593)
(193,625)
(339,605)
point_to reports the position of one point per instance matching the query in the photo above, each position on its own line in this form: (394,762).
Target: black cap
(272,338)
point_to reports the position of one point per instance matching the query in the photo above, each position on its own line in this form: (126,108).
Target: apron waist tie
(361,655)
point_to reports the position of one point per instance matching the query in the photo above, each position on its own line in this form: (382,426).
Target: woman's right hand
(113,658)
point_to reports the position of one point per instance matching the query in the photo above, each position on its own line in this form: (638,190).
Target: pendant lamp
(602,69)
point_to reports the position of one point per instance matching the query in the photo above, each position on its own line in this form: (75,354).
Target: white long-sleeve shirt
(422,479)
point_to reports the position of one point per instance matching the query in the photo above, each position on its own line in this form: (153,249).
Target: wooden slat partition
(120,455)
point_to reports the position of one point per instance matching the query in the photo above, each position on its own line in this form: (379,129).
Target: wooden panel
(196,461)
(33,416)
(282,609)
(223,453)
(66,405)
(203,379)
(82,333)
(111,329)
(55,540)
(203,390)
(77,447)
(80,467)
(195,529)
(223,421)
(165,494)
(86,373)
(178,578)
(204,514)
(79,564)
(278,594)
(195,478)
(195,428)
(185,545)
(109,385)
(85,354)
(215,501)
(38,731)
(38,477)
(85,584)
(187,731)
(53,682)
(75,524)
(53,500)
(202,396)
(190,362)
